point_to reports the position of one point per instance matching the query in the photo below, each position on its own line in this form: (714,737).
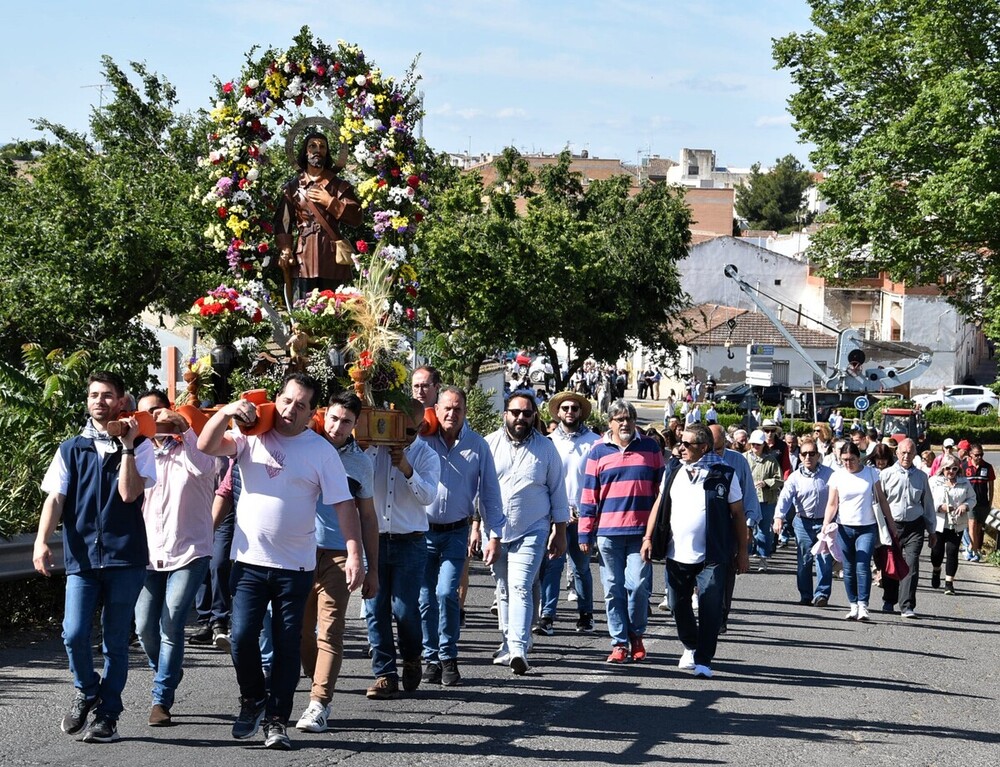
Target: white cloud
(511,112)
(772,121)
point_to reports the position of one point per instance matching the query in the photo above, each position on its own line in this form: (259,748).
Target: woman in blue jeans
(854,491)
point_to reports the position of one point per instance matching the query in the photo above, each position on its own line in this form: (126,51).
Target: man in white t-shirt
(285,471)
(706,535)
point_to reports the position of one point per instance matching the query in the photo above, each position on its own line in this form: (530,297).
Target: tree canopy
(773,200)
(95,230)
(902,101)
(591,265)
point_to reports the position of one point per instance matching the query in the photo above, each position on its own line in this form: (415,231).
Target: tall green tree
(537,257)
(773,200)
(902,101)
(94,230)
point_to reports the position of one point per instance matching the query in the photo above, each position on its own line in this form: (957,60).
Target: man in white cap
(767,482)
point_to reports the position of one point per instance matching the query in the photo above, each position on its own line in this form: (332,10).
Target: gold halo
(314,122)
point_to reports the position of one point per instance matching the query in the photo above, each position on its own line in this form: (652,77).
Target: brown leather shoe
(159,716)
(385,688)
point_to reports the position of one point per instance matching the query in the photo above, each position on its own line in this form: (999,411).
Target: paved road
(793,686)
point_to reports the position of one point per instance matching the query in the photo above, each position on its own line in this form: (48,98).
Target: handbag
(889,559)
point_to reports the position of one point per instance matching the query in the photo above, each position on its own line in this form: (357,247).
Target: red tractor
(903,422)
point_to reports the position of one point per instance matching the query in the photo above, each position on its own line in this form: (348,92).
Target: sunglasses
(807,453)
(521,413)
(952,468)
(569,408)
(689,445)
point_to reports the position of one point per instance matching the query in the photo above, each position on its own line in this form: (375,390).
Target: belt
(402,536)
(449,526)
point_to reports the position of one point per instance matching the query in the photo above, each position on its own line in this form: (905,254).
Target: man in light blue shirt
(533,492)
(806,492)
(467,473)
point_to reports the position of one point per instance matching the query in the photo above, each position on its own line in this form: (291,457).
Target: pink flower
(361,246)
(262,248)
(227,88)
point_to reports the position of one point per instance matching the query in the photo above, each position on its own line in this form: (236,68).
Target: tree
(773,200)
(902,101)
(94,232)
(594,267)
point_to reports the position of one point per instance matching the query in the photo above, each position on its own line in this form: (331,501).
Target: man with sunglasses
(912,505)
(533,493)
(805,491)
(621,478)
(981,475)
(700,509)
(573,439)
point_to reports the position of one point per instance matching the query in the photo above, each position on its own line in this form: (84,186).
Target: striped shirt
(620,486)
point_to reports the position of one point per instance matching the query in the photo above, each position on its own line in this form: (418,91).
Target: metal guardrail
(15,556)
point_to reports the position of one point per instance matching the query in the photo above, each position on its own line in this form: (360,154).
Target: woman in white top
(853,492)
(953,499)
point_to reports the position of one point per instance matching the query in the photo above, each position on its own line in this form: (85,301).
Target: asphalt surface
(793,685)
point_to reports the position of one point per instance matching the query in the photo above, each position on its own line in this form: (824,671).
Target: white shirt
(283,477)
(688,517)
(855,495)
(401,503)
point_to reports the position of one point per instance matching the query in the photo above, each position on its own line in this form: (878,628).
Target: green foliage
(773,200)
(480,413)
(94,231)
(592,266)
(901,100)
(31,604)
(41,406)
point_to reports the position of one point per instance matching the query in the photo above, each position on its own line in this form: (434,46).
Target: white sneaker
(703,671)
(908,614)
(863,612)
(314,718)
(761,565)
(664,606)
(571,595)
(502,656)
(687,660)
(853,614)
(694,601)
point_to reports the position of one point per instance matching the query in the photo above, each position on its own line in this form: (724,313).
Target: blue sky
(619,79)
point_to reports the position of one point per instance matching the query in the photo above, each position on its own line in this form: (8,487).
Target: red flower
(413,180)
(247,90)
(243,183)
(253,151)
(381,182)
(341,91)
(246,267)
(418,217)
(257,316)
(266,226)
(395,172)
(255,125)
(262,248)
(362,246)
(366,360)
(336,66)
(320,70)
(298,101)
(279,120)
(410,314)
(227,88)
(411,291)
(222,212)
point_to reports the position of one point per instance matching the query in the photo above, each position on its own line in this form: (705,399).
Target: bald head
(718,437)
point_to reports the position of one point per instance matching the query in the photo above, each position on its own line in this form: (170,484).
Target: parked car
(969,399)
(739,393)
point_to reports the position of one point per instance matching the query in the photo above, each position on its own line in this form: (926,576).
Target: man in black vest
(699,519)
(95,486)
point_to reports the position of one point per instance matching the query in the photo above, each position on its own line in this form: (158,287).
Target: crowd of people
(277,528)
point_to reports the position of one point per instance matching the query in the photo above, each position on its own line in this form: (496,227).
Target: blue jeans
(806,532)
(625,578)
(763,537)
(515,571)
(401,564)
(439,607)
(254,588)
(115,589)
(857,544)
(583,579)
(214,602)
(160,615)
(700,634)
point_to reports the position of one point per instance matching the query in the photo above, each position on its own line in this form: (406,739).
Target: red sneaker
(619,654)
(638,649)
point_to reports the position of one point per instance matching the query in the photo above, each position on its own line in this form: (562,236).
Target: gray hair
(620,406)
(702,434)
(948,460)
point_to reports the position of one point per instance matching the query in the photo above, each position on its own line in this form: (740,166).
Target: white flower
(253,83)
(361,80)
(253,174)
